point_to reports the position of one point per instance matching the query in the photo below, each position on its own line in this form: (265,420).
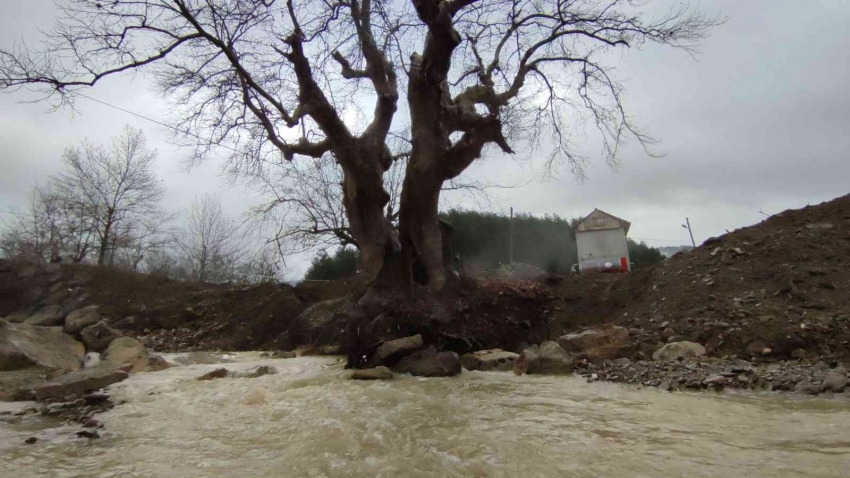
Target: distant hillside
(668,251)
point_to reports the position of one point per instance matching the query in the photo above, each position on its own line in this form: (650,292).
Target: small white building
(601,243)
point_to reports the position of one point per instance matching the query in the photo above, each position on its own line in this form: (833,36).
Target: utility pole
(688,227)
(511,236)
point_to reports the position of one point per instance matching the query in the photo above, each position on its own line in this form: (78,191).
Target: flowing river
(308,420)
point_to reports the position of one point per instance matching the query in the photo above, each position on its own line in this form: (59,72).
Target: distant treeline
(481,241)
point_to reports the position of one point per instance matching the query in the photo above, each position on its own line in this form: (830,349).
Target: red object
(624,264)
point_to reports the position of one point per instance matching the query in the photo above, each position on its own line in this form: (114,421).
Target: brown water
(308,420)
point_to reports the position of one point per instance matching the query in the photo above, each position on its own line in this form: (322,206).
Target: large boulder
(76,383)
(547,359)
(678,351)
(59,296)
(430,363)
(13,381)
(597,344)
(378,373)
(23,345)
(17,317)
(835,380)
(396,348)
(489,360)
(47,316)
(126,351)
(97,337)
(79,319)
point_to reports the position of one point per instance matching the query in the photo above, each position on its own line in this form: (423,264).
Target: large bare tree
(113,187)
(500,73)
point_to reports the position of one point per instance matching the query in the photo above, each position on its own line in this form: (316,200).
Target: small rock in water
(378,373)
(91,435)
(30,440)
(217,373)
(92,423)
(260,371)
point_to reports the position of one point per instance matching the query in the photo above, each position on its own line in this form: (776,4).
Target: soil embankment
(769,304)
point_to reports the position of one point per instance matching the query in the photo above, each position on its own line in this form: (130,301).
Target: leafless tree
(247,72)
(143,237)
(112,187)
(210,241)
(49,228)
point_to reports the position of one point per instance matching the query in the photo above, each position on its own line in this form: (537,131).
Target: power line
(138,115)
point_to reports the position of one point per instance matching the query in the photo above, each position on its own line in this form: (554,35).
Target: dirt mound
(165,314)
(778,289)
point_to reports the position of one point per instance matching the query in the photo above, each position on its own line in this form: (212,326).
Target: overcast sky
(758,122)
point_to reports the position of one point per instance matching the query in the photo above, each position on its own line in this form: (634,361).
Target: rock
(58,297)
(18,316)
(91,435)
(807,387)
(430,363)
(47,316)
(283,354)
(714,380)
(835,380)
(756,347)
(399,347)
(547,359)
(30,440)
(156,363)
(217,373)
(77,383)
(597,344)
(489,360)
(81,318)
(97,337)
(378,373)
(126,351)
(205,358)
(23,345)
(622,362)
(711,240)
(820,225)
(259,372)
(92,359)
(678,351)
(13,381)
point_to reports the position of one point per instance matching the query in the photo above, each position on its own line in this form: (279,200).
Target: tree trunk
(364,198)
(419,228)
(104,243)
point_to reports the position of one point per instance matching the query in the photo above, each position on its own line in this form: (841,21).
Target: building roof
(621,223)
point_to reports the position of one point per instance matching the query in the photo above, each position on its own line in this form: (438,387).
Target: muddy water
(309,421)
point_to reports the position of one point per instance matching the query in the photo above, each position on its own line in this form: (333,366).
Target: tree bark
(364,198)
(419,229)
(104,242)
